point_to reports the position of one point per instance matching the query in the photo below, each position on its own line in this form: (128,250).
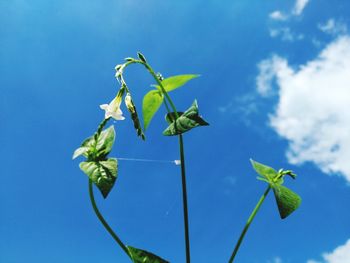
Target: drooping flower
(113,109)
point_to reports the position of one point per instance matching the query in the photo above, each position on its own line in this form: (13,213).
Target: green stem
(103,221)
(184,198)
(154,75)
(182,152)
(182,158)
(99,129)
(250,219)
(167,106)
(165,93)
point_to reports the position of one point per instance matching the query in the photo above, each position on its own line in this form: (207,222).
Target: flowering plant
(102,170)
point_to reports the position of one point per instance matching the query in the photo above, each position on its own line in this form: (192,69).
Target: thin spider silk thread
(176,162)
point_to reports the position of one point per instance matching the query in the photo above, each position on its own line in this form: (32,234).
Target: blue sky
(273,86)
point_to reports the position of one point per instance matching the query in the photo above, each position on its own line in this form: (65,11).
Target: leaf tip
(141,57)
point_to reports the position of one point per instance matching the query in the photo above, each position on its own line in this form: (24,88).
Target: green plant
(287,200)
(102,170)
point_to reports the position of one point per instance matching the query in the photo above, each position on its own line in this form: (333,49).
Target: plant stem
(162,88)
(250,219)
(182,158)
(167,106)
(103,221)
(184,198)
(182,152)
(154,75)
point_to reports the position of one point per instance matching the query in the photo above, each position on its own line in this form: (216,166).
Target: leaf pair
(101,170)
(287,200)
(186,121)
(154,98)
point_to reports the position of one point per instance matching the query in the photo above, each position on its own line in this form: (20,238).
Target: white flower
(113,109)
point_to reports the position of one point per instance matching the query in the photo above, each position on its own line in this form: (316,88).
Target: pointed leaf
(262,179)
(175,82)
(290,173)
(143,256)
(105,141)
(86,148)
(81,151)
(170,117)
(102,173)
(150,105)
(141,57)
(187,121)
(264,170)
(287,200)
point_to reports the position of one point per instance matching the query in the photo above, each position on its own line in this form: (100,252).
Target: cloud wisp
(286,34)
(278,15)
(297,10)
(333,27)
(312,111)
(299,7)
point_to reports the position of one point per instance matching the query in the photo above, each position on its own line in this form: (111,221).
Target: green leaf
(102,173)
(178,81)
(290,173)
(105,142)
(150,105)
(92,149)
(265,171)
(86,148)
(171,117)
(187,121)
(143,256)
(287,200)
(141,57)
(81,151)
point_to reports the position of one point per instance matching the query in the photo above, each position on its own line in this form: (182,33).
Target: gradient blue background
(57,63)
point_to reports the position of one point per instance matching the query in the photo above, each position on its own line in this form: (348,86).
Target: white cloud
(339,255)
(313,108)
(297,10)
(278,15)
(333,27)
(285,34)
(299,7)
(268,69)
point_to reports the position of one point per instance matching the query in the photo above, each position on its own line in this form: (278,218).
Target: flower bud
(119,71)
(129,103)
